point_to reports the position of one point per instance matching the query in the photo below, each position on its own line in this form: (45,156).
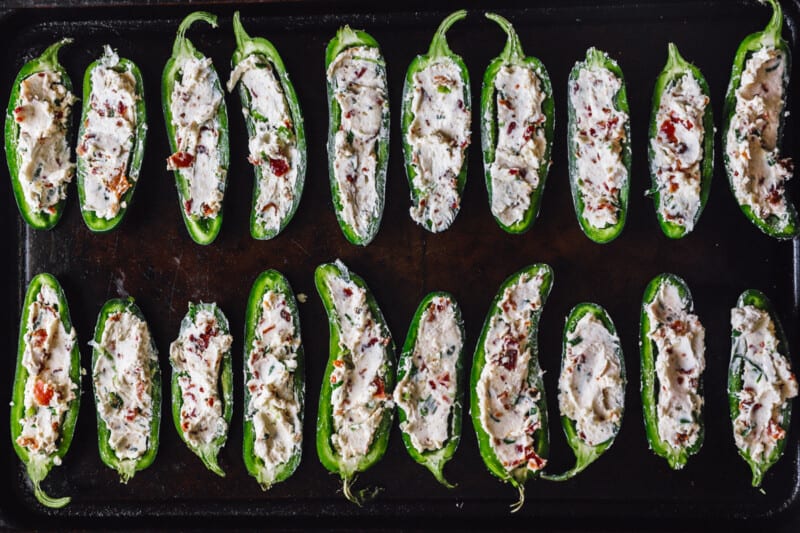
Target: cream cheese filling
(427,392)
(438,137)
(123,381)
(507,392)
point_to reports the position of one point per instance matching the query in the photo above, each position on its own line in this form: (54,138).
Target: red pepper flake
(121,108)
(361,72)
(210,401)
(338,363)
(187,205)
(668,129)
(347,291)
(285,315)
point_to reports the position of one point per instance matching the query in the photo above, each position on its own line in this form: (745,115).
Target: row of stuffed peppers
(517,126)
(363,383)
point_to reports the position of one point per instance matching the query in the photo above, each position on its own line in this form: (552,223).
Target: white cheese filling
(438,137)
(767,383)
(108,135)
(758,171)
(521,142)
(678,150)
(48,387)
(357,77)
(590,388)
(43,152)
(599,140)
(680,360)
(427,392)
(359,399)
(272,144)
(196,356)
(274,406)
(123,383)
(196,97)
(507,392)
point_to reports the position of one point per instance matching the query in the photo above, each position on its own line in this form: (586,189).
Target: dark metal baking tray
(152,258)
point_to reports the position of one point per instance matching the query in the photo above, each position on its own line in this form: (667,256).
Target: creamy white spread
(438,137)
(507,393)
(49,389)
(359,399)
(680,360)
(43,152)
(757,170)
(123,383)
(521,142)
(272,144)
(108,135)
(598,144)
(678,150)
(427,392)
(195,102)
(591,387)
(357,77)
(196,357)
(767,383)
(274,406)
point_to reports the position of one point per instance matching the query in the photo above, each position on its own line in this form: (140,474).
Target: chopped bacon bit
(179,160)
(118,185)
(187,205)
(285,315)
(19,115)
(279,167)
(361,72)
(372,342)
(534,461)
(432,384)
(347,291)
(380,386)
(210,401)
(121,108)
(668,129)
(511,127)
(338,363)
(774,430)
(38,337)
(267,329)
(43,393)
(268,206)
(333,379)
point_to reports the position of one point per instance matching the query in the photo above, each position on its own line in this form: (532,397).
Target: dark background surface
(151,257)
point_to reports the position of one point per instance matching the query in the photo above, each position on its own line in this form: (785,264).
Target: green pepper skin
(674,70)
(93,222)
(328,455)
(438,49)
(48,61)
(513,55)
(269,280)
(348,38)
(648,351)
(245,47)
(207,453)
(769,37)
(599,59)
(542,438)
(434,460)
(39,466)
(127,468)
(584,453)
(758,300)
(202,230)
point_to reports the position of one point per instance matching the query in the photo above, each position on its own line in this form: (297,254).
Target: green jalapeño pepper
(591,359)
(274,392)
(599,145)
(507,402)
(358,132)
(275,127)
(430,383)
(760,381)
(202,382)
(756,171)
(681,148)
(127,388)
(197,127)
(109,163)
(672,350)
(46,397)
(436,119)
(355,407)
(38,152)
(516,135)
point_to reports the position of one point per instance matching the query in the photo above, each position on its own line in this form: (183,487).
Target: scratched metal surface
(152,258)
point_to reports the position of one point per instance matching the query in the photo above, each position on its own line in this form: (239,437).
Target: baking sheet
(152,258)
